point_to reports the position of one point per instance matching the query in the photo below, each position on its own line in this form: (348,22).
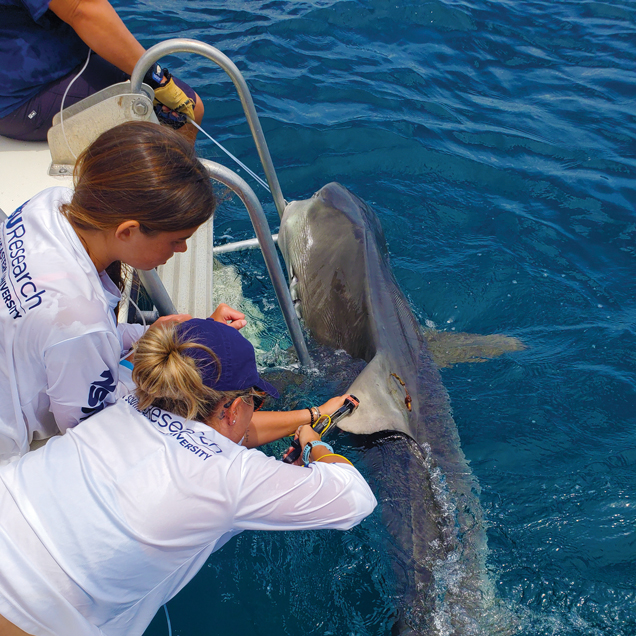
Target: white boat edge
(24,167)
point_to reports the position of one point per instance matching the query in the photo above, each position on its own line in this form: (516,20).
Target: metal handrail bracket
(239,246)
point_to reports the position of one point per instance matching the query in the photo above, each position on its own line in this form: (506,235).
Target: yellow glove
(174,98)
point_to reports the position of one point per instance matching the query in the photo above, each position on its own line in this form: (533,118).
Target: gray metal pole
(157,292)
(263,234)
(184,45)
(238,246)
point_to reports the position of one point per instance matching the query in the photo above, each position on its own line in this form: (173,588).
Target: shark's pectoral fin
(382,401)
(449,348)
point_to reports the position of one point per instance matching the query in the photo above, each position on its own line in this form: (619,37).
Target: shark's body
(346,293)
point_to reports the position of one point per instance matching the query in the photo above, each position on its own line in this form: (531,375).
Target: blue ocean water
(497,142)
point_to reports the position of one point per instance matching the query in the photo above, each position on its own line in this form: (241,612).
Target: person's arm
(99,26)
(130,333)
(268,426)
(271,495)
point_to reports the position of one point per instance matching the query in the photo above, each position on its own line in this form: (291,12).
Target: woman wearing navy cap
(105,524)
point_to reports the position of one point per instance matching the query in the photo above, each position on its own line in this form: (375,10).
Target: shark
(346,294)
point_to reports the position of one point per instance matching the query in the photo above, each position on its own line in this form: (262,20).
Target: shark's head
(325,241)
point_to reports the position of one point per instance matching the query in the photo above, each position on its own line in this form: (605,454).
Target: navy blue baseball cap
(235,353)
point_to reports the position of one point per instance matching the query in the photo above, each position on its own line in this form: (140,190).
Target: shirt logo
(17,287)
(194,441)
(97,393)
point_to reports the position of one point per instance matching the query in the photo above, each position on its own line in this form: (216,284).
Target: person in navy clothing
(44,44)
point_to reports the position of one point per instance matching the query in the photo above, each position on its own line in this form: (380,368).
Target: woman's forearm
(99,26)
(268,426)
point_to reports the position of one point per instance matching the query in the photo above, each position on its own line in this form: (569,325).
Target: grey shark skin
(346,294)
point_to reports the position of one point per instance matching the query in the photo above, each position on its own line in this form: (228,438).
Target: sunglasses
(258,399)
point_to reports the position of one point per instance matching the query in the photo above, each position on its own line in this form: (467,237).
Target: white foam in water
(228,288)
(456,590)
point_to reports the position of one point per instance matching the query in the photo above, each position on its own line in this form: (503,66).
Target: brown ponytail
(143,172)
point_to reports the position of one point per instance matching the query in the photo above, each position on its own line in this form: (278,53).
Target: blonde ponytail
(168,378)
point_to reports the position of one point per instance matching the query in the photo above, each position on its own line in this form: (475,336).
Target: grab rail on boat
(161,299)
(151,280)
(238,185)
(185,45)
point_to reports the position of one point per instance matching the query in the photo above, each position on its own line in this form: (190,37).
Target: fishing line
(194,123)
(229,154)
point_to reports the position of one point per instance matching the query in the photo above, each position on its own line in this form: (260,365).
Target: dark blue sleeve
(36,8)
(36,48)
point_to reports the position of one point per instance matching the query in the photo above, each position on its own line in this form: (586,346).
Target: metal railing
(151,280)
(184,45)
(238,185)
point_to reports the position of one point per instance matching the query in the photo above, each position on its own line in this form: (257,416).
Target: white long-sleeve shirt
(106,523)
(59,343)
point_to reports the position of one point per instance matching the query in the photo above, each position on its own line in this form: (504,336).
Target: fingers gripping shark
(348,298)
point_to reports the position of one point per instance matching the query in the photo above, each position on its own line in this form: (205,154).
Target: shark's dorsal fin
(449,347)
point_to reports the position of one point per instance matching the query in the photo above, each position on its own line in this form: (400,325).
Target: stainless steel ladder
(151,280)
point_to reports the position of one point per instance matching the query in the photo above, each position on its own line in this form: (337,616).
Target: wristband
(311,415)
(310,445)
(334,455)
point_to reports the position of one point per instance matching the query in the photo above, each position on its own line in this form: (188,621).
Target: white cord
(136,306)
(229,154)
(127,353)
(88,57)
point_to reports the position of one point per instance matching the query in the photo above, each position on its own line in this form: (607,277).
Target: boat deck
(24,172)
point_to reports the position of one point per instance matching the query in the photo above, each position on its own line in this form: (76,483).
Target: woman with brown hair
(144,492)
(140,193)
